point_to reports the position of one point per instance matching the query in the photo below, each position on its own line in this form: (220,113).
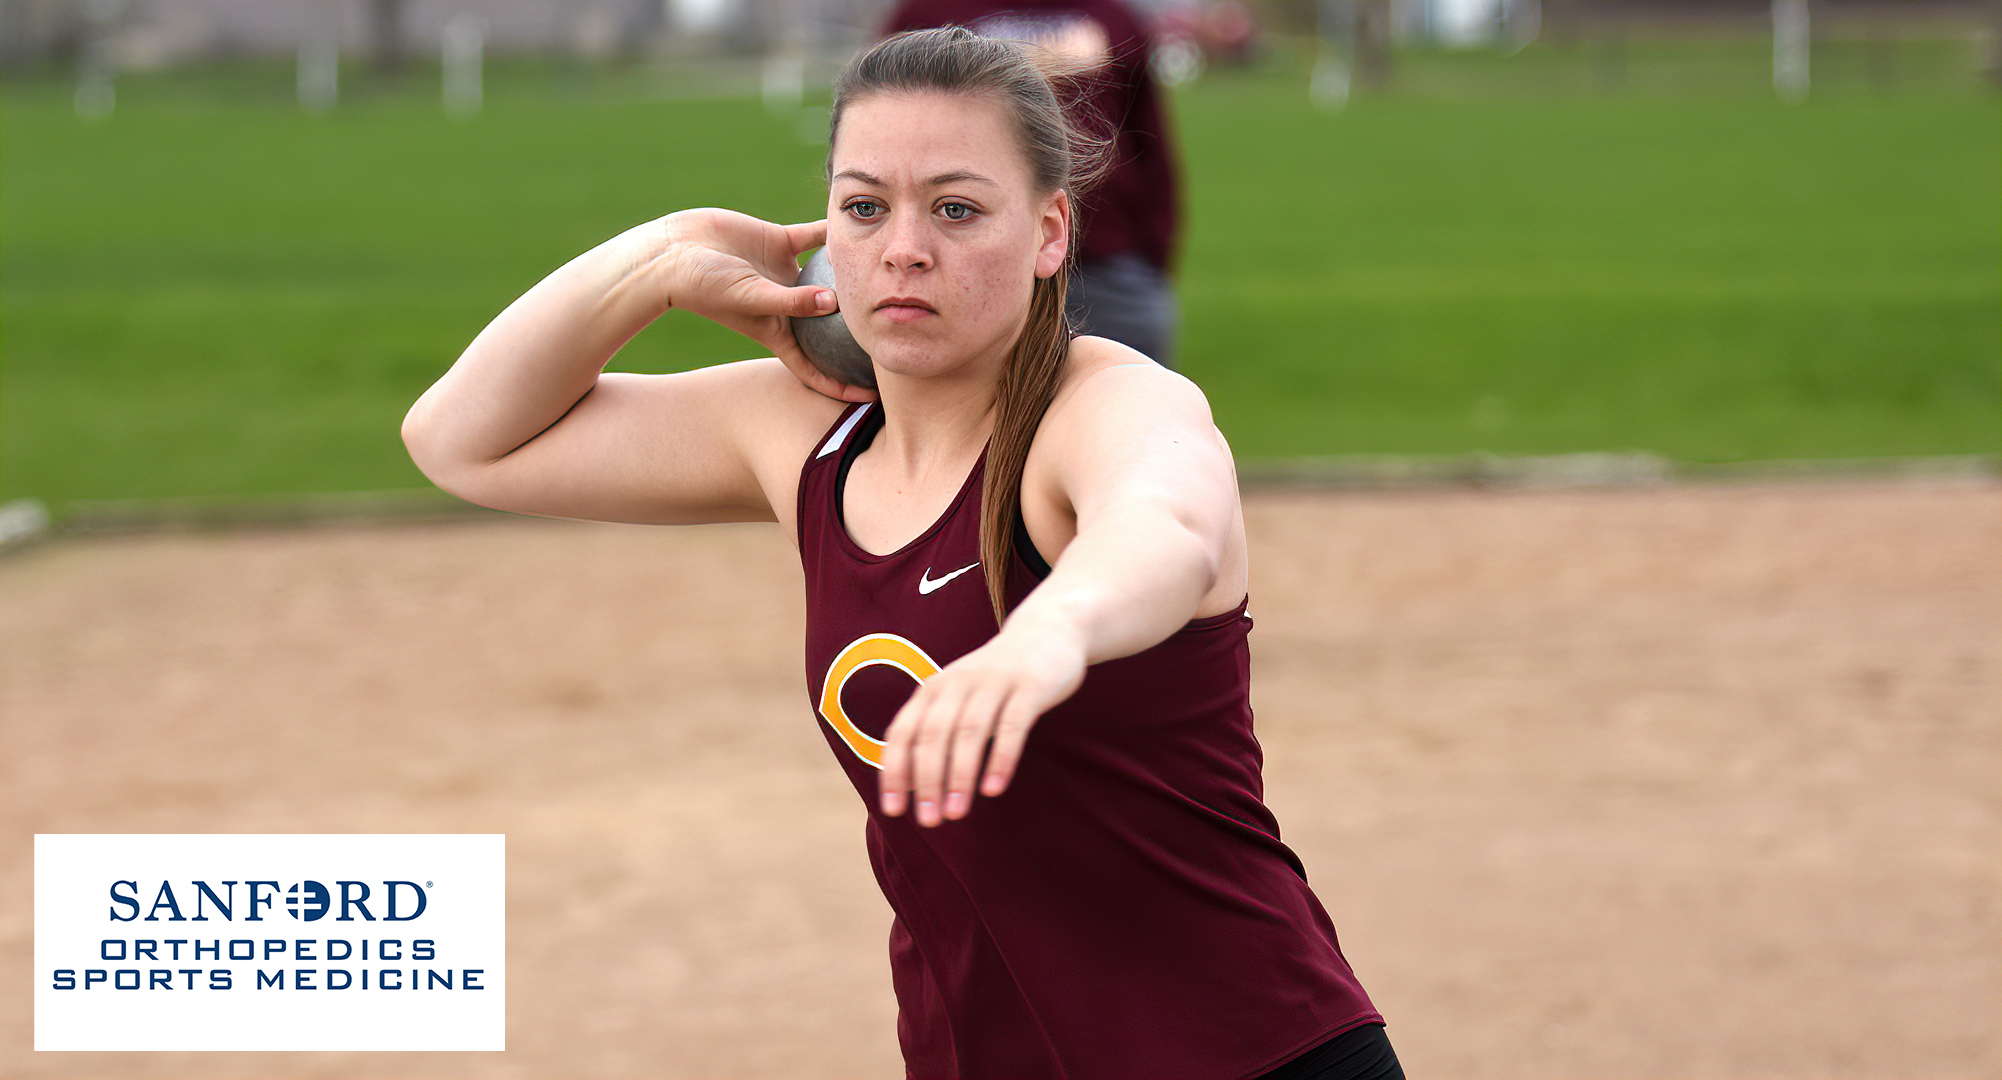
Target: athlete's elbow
(422,441)
(1184,562)
(429,449)
(415,435)
(1201,538)
(1204,557)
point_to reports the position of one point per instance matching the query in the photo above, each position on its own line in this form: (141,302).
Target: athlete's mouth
(905,310)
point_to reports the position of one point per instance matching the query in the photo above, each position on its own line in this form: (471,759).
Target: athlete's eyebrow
(941,180)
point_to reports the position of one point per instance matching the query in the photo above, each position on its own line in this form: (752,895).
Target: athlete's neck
(933,423)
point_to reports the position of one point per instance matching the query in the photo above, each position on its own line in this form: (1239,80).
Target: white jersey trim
(841,433)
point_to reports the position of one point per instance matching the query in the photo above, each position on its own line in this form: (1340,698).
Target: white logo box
(188,942)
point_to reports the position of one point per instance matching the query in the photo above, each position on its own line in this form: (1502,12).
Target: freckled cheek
(852,261)
(1002,282)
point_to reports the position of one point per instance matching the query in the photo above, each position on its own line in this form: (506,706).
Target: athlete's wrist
(1051,630)
(655,257)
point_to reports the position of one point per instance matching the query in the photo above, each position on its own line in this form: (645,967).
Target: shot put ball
(825,338)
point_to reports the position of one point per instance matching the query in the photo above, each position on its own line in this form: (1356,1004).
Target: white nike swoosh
(926,586)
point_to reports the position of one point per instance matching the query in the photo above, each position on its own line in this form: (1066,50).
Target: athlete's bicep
(1141,437)
(1130,455)
(660,449)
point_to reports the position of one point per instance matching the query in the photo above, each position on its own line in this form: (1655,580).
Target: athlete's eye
(864,208)
(955,211)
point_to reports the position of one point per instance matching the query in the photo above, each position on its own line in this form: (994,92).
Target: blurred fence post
(1335,26)
(96,92)
(784,75)
(320,60)
(463,47)
(96,95)
(1790,49)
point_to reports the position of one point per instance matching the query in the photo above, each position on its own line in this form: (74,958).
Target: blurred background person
(1121,288)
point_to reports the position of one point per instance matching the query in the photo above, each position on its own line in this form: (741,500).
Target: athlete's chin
(919,360)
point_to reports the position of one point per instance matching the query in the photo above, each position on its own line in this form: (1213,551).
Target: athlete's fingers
(752,293)
(809,301)
(806,235)
(969,745)
(776,333)
(815,379)
(930,742)
(893,784)
(903,748)
(1011,732)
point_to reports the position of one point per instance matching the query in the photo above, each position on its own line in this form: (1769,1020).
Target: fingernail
(893,803)
(823,300)
(927,812)
(955,804)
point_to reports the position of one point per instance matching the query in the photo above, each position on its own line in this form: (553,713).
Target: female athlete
(1118,903)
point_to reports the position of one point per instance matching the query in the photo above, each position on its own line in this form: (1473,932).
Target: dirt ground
(1688,782)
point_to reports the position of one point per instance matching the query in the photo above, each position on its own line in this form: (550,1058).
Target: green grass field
(211,295)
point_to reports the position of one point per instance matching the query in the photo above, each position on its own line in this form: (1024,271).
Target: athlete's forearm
(1134,574)
(539,357)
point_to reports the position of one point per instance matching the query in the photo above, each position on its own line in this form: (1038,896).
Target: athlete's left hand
(933,749)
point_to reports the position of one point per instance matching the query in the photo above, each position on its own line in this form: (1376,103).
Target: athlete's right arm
(528,421)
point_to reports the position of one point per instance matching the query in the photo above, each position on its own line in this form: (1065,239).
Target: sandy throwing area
(1688,782)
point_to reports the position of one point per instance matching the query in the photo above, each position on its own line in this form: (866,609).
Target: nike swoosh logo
(926,586)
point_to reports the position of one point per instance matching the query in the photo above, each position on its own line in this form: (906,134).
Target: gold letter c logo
(900,653)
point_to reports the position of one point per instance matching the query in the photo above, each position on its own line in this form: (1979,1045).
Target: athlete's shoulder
(1105,379)
(1119,414)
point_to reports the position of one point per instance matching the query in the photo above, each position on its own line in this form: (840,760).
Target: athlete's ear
(1056,233)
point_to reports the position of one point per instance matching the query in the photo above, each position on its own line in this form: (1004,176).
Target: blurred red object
(1225,30)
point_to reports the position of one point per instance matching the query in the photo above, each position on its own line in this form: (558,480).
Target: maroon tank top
(1125,909)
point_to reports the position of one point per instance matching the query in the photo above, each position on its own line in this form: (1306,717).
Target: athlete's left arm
(1132,453)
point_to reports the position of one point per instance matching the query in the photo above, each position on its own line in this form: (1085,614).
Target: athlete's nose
(907,243)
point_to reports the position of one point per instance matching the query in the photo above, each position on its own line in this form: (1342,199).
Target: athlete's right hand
(735,270)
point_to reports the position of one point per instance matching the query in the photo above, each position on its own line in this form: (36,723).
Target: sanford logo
(270,941)
(306,901)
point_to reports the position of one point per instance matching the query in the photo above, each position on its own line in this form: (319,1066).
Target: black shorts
(1361,1053)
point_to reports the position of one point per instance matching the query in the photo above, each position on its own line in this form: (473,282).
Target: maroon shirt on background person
(1135,210)
(1126,908)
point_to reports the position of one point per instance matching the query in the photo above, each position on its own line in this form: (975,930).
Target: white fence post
(465,44)
(1790,49)
(1334,68)
(319,62)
